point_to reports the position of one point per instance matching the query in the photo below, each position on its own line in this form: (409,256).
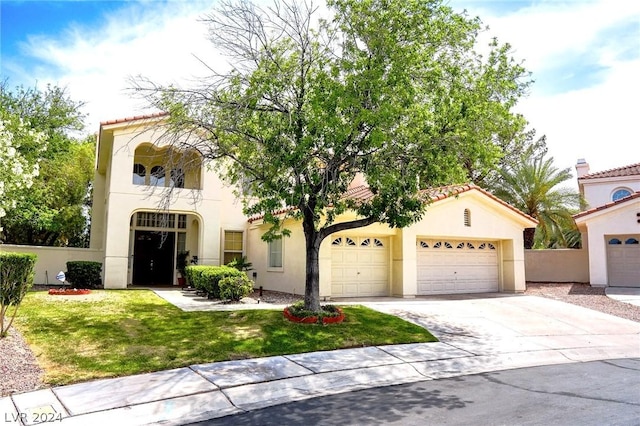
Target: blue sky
(584,56)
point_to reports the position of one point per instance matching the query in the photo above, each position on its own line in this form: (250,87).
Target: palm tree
(532,186)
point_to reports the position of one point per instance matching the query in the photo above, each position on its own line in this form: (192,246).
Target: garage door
(447,266)
(623,260)
(359,266)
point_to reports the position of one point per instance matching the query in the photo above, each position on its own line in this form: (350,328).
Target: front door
(153,258)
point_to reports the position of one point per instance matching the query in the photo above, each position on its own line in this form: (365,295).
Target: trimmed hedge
(16,278)
(84,274)
(207,278)
(235,288)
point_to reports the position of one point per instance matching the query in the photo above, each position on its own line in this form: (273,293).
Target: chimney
(582,167)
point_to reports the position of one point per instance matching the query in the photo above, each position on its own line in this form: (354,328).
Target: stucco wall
(52,260)
(599,193)
(561,265)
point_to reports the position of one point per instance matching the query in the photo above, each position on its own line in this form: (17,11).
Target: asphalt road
(590,393)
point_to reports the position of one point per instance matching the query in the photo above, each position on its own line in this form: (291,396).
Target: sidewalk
(478,334)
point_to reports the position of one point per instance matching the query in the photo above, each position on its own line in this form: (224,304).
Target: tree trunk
(312,275)
(529,234)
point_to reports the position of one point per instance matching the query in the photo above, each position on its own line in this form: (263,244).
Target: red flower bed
(313,320)
(68,291)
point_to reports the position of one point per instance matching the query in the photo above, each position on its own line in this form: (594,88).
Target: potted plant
(181,265)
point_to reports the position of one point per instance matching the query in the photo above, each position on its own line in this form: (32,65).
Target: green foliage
(16,277)
(299,310)
(84,274)
(207,278)
(241,264)
(182,262)
(54,212)
(532,185)
(235,288)
(394,90)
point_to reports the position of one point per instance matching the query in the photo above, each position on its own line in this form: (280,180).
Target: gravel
(20,372)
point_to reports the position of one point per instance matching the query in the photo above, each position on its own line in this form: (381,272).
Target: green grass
(115,333)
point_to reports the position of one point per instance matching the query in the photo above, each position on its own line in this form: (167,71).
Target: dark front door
(153,258)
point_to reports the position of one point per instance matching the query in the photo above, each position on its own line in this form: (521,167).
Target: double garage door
(448,266)
(359,266)
(623,260)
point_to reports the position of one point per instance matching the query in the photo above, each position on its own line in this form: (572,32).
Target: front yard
(121,332)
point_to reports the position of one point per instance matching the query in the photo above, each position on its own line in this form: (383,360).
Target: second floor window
(157,176)
(139,174)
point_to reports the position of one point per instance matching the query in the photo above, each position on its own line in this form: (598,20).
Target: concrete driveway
(515,330)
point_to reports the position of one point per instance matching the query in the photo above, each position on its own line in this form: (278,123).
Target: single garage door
(447,267)
(623,260)
(359,266)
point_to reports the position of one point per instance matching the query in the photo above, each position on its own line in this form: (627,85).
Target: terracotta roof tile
(134,118)
(633,196)
(631,170)
(363,193)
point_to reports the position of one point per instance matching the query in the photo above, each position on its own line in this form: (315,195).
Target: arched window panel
(620,193)
(423,244)
(337,242)
(350,242)
(448,245)
(460,246)
(377,243)
(139,174)
(438,244)
(615,241)
(631,241)
(470,246)
(157,177)
(366,242)
(177,178)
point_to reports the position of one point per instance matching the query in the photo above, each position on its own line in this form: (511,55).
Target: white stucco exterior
(491,220)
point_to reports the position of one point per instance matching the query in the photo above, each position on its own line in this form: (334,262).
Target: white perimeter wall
(52,260)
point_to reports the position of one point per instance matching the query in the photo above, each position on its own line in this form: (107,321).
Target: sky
(584,56)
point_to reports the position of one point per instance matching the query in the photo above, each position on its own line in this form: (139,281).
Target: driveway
(497,328)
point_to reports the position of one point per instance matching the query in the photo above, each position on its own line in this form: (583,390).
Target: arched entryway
(156,239)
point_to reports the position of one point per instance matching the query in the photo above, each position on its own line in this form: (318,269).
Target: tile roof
(363,193)
(134,118)
(633,196)
(631,170)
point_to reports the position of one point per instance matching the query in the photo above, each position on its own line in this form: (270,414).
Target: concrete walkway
(477,334)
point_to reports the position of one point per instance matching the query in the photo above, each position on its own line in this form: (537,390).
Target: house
(611,224)
(467,242)
(139,239)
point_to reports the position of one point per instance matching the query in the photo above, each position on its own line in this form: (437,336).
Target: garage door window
(631,241)
(615,241)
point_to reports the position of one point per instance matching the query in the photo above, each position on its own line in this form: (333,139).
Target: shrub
(16,277)
(84,274)
(235,288)
(207,278)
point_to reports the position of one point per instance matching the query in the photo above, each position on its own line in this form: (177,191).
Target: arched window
(620,193)
(467,217)
(615,241)
(139,174)
(157,176)
(177,178)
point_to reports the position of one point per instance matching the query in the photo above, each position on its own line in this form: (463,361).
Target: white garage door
(359,266)
(447,266)
(623,260)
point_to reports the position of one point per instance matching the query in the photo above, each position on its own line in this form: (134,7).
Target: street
(591,393)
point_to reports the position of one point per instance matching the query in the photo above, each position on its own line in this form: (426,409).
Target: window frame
(271,252)
(231,250)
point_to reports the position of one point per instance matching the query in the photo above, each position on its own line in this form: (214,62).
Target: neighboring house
(467,242)
(611,224)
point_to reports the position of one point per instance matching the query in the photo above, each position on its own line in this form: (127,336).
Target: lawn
(120,332)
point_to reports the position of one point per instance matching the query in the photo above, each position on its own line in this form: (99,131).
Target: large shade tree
(54,211)
(392,89)
(534,185)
